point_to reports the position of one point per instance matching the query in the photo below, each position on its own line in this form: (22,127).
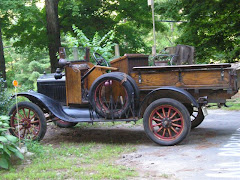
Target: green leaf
(4,118)
(6,150)
(11,138)
(3,129)
(5,124)
(19,155)
(1,146)
(3,139)
(12,148)
(4,163)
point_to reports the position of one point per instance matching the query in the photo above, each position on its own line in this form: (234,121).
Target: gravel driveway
(212,151)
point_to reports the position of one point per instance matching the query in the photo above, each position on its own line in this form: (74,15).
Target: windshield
(74,53)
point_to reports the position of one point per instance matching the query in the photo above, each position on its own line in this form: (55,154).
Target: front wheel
(166,121)
(27,121)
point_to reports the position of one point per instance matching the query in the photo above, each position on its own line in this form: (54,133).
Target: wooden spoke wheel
(28,122)
(166,121)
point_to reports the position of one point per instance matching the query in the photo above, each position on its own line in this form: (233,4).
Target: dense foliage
(212,27)
(8,146)
(102,45)
(5,100)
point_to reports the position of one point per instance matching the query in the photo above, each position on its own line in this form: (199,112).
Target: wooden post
(117,51)
(154,35)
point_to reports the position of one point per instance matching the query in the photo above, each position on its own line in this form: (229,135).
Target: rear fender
(176,93)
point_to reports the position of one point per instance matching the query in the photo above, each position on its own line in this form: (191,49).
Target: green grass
(234,104)
(72,161)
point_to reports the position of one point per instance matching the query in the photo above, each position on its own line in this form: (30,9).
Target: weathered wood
(182,67)
(128,61)
(212,79)
(73,86)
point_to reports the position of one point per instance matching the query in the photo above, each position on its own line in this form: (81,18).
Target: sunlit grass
(73,161)
(233,104)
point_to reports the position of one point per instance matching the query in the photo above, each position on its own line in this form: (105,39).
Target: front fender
(176,93)
(48,104)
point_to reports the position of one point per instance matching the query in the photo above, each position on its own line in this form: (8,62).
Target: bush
(5,100)
(7,144)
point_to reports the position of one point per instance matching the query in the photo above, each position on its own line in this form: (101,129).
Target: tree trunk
(2,59)
(53,31)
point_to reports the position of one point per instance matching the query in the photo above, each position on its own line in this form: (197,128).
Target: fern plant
(103,45)
(8,142)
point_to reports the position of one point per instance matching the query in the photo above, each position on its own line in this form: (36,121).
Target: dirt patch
(119,134)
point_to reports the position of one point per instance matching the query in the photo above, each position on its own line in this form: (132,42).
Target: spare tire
(135,88)
(111,95)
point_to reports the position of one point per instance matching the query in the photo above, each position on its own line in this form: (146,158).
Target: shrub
(7,144)
(5,100)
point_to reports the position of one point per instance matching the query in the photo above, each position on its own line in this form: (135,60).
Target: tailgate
(238,77)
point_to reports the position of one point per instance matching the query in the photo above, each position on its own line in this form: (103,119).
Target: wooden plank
(211,79)
(156,79)
(73,86)
(121,63)
(183,67)
(98,71)
(106,68)
(128,61)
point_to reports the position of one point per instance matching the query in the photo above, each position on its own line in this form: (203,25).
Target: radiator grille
(53,89)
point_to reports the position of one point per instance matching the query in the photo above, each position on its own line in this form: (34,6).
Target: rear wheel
(196,115)
(166,121)
(197,118)
(28,122)
(64,124)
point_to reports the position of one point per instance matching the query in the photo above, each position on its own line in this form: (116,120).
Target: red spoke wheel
(28,122)
(166,121)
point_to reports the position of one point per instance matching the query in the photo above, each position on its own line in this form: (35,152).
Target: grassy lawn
(72,161)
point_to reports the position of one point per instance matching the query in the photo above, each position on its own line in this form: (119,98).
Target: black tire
(196,120)
(105,84)
(166,122)
(196,115)
(64,124)
(32,122)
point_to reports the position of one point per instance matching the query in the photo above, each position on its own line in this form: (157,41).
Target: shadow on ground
(121,135)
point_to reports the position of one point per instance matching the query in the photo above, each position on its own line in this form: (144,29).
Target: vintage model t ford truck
(170,99)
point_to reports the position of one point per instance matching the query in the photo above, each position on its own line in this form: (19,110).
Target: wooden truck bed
(216,81)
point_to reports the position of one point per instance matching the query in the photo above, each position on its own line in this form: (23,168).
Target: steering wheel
(99,59)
